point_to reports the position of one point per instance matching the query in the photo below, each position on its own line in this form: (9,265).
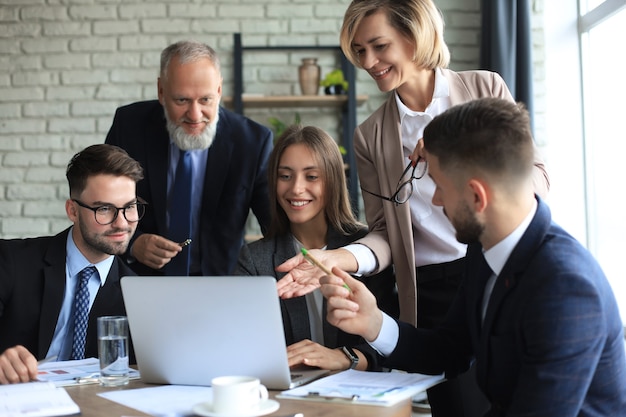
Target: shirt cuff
(364,257)
(387,339)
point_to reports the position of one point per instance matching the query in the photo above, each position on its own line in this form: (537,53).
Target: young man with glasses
(53,288)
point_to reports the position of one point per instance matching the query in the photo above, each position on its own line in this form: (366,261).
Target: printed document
(360,387)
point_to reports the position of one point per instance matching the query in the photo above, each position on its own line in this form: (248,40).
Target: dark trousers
(437,286)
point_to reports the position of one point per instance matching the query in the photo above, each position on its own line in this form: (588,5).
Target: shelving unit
(347,103)
(257,101)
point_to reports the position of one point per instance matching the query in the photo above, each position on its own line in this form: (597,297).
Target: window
(602,31)
(585,124)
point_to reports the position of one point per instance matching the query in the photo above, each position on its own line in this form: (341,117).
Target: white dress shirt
(496,257)
(434,236)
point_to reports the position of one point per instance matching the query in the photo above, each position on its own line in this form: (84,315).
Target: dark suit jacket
(552,342)
(263,256)
(235,181)
(32,286)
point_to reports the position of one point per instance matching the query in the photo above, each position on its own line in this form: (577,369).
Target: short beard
(187,142)
(468,228)
(97,244)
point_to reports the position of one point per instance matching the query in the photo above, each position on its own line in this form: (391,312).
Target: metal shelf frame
(348,111)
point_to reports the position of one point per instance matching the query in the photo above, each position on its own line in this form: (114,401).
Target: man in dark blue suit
(535,310)
(227,156)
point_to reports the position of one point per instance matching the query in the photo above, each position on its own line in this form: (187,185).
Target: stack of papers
(360,387)
(35,399)
(75,372)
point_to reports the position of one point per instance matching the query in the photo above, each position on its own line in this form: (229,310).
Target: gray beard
(187,142)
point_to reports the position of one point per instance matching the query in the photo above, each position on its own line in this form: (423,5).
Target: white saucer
(265,407)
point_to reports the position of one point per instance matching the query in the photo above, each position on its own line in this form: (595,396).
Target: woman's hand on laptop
(310,353)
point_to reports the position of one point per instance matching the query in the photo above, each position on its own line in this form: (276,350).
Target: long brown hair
(338,210)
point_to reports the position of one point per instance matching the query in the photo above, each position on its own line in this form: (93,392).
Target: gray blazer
(263,256)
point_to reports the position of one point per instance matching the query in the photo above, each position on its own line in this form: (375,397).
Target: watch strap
(354,359)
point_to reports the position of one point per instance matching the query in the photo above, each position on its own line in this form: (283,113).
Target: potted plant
(334,82)
(279,126)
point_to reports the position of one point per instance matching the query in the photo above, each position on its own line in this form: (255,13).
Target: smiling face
(300,187)
(383,52)
(190,95)
(95,241)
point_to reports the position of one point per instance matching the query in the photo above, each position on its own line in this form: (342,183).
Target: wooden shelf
(321,100)
(345,105)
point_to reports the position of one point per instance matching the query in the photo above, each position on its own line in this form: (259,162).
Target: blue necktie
(180,215)
(81,312)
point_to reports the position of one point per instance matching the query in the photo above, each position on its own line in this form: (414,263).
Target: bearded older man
(224,156)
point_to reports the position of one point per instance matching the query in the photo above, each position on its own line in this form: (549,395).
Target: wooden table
(91,405)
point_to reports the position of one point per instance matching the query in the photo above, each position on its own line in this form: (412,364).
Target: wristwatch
(354,359)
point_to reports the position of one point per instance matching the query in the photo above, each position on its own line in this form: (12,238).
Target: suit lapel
(459,92)
(295,308)
(391,147)
(511,274)
(217,169)
(54,290)
(157,163)
(108,302)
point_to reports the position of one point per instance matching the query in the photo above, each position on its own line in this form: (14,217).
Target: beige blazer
(380,162)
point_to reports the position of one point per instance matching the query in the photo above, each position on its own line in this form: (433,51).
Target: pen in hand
(318,264)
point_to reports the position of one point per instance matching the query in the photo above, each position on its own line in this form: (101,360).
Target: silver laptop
(188,330)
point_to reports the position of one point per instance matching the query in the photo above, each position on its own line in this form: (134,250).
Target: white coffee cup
(237,394)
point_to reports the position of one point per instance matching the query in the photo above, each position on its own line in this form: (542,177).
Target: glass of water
(113,350)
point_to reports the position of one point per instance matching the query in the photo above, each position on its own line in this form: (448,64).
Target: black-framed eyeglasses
(405,186)
(107,214)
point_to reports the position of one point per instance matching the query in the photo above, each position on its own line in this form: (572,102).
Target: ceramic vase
(309,76)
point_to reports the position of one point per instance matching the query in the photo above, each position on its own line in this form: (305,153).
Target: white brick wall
(66,65)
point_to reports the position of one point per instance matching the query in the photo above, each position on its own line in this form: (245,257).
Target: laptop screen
(188,330)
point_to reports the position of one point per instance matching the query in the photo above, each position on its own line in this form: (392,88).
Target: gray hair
(187,51)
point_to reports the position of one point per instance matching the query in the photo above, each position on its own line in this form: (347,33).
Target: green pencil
(318,264)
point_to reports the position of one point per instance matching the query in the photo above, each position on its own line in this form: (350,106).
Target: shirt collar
(497,256)
(76,261)
(441,90)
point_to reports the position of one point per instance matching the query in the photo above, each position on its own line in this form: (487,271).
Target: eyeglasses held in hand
(405,186)
(107,214)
